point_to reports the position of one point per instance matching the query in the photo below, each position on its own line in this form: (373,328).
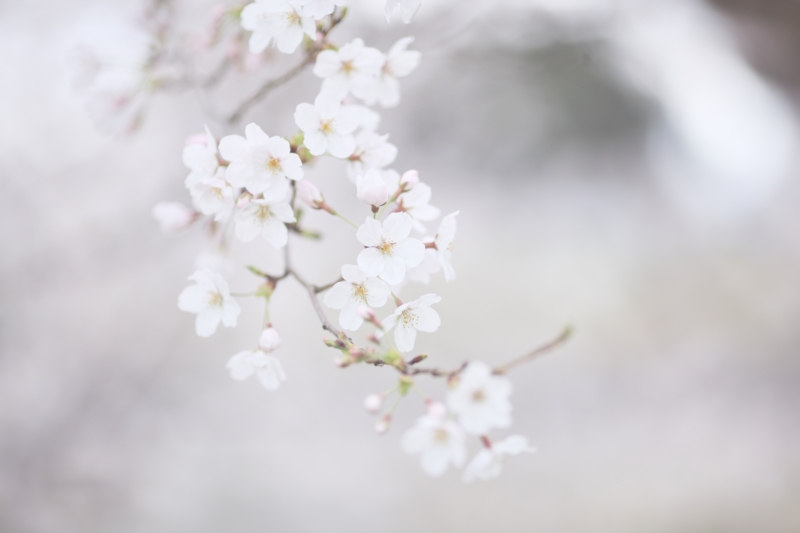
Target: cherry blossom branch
(541,350)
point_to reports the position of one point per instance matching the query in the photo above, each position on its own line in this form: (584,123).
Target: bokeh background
(628,167)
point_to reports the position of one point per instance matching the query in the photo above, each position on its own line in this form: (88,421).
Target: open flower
(319,8)
(422,272)
(278,21)
(266,217)
(444,244)
(440,442)
(200,158)
(354,69)
(371,189)
(407,8)
(488,463)
(371,151)
(480,399)
(266,367)
(259,162)
(211,299)
(416,203)
(390,251)
(356,290)
(327,126)
(213,196)
(399,63)
(410,318)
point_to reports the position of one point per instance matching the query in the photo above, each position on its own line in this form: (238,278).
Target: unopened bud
(309,194)
(418,359)
(342,361)
(371,189)
(269,340)
(435,409)
(356,352)
(243,200)
(373,339)
(382,425)
(409,179)
(373,403)
(366,313)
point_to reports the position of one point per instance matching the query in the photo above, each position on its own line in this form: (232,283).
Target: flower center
(293,19)
(264,213)
(326,126)
(359,293)
(478,396)
(347,67)
(216,300)
(387,247)
(441,435)
(273,165)
(216,191)
(409,318)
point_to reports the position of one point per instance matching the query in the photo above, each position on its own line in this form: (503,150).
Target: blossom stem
(337,214)
(562,338)
(243,294)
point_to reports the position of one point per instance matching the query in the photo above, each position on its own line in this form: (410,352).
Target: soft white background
(618,166)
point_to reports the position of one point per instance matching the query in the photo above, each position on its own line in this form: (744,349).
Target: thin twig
(541,350)
(245,106)
(322,288)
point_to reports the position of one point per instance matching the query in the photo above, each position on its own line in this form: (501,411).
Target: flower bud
(243,200)
(269,340)
(409,179)
(173,217)
(435,409)
(366,313)
(309,194)
(373,403)
(371,189)
(382,425)
(373,339)
(356,352)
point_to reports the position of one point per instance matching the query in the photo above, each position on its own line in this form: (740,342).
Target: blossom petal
(397,226)
(349,318)
(207,321)
(371,261)
(427,319)
(370,233)
(341,146)
(255,135)
(410,251)
(233,148)
(394,269)
(275,233)
(193,299)
(306,118)
(338,295)
(404,337)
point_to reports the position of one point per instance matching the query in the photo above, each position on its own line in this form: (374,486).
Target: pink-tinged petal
(207,321)
(349,318)
(427,319)
(341,146)
(247,226)
(292,167)
(316,142)
(237,173)
(377,292)
(306,118)
(199,159)
(240,367)
(397,227)
(389,322)
(233,148)
(513,445)
(255,135)
(275,233)
(370,233)
(230,313)
(353,274)
(328,64)
(405,337)
(394,270)
(411,251)
(478,468)
(418,196)
(371,261)
(338,295)
(193,299)
(425,213)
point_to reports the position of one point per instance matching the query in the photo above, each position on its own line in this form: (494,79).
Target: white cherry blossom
(354,69)
(173,217)
(279,21)
(444,244)
(269,341)
(415,203)
(309,194)
(365,118)
(210,298)
(200,158)
(327,126)
(371,188)
(371,151)
(266,217)
(440,443)
(407,8)
(488,463)
(400,62)
(410,318)
(480,399)
(259,162)
(356,290)
(266,367)
(319,8)
(422,272)
(390,251)
(213,196)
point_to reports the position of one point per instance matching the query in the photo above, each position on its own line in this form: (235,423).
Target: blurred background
(628,167)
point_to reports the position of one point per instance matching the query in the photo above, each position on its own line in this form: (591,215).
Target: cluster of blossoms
(248,187)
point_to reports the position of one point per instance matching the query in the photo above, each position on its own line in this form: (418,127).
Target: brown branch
(322,288)
(541,350)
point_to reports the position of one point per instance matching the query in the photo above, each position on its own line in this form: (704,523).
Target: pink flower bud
(269,340)
(173,217)
(373,403)
(243,200)
(409,179)
(435,409)
(382,425)
(309,194)
(371,189)
(366,312)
